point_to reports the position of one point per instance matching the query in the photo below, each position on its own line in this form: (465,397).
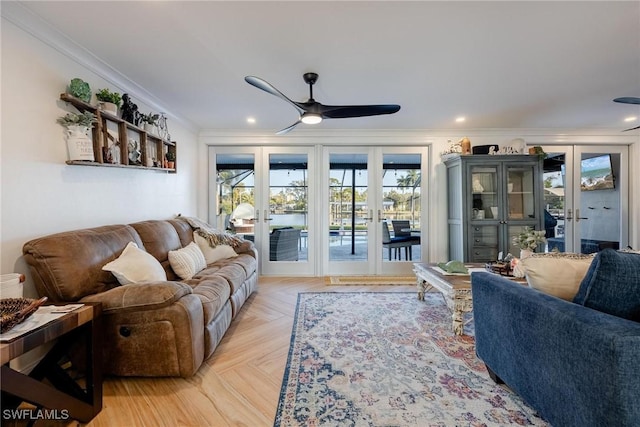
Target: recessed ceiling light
(460,119)
(630,119)
(251,120)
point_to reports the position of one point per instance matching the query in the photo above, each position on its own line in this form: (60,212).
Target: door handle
(370,215)
(569,217)
(578,217)
(257,218)
(379,215)
(266,217)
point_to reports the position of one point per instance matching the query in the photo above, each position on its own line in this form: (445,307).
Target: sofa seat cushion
(557,274)
(247,262)
(214,291)
(140,296)
(233,273)
(612,285)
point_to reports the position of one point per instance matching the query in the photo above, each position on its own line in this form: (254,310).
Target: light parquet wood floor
(240,384)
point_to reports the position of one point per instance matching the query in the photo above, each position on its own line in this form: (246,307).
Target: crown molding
(428,136)
(23,17)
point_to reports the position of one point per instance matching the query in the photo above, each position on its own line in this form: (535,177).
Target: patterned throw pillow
(556,273)
(612,284)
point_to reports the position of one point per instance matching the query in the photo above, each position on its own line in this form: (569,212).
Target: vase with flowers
(528,240)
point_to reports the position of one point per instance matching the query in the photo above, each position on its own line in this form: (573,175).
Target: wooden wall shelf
(109,128)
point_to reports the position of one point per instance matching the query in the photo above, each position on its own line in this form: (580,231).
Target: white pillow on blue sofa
(556,273)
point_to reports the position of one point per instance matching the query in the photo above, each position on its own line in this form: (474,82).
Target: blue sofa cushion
(612,285)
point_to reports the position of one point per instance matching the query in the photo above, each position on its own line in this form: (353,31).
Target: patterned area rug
(387,359)
(369,280)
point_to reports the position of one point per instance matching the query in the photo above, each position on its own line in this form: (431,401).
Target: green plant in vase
(79,144)
(110,101)
(171,159)
(150,121)
(86,119)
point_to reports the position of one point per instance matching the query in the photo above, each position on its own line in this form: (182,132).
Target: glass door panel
(601,202)
(235,183)
(348,209)
(401,207)
(555,200)
(520,193)
(287,211)
(484,181)
(288,207)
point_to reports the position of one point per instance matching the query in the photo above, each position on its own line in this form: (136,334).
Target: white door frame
(374,265)
(573,156)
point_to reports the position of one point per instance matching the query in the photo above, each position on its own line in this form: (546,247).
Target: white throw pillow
(557,274)
(188,261)
(135,266)
(212,255)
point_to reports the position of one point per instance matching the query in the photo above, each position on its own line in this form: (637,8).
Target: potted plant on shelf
(79,145)
(171,159)
(109,101)
(150,122)
(537,151)
(80,89)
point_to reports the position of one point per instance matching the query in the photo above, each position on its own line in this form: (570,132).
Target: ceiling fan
(313,112)
(628,100)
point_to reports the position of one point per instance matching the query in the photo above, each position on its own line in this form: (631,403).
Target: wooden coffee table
(456,290)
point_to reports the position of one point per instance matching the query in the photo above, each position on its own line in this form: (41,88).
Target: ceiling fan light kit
(312,112)
(311,118)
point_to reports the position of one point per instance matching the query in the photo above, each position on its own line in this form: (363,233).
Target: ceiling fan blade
(627,100)
(267,87)
(346,111)
(287,129)
(637,127)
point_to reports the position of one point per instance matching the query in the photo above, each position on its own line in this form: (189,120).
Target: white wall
(40,193)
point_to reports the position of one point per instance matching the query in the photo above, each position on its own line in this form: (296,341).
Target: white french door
(254,190)
(586,197)
(365,189)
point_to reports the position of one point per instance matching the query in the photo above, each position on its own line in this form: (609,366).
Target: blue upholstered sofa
(577,363)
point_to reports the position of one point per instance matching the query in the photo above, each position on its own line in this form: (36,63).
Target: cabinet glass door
(484,182)
(485,213)
(520,193)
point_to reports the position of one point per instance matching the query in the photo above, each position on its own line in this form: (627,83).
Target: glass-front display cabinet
(491,198)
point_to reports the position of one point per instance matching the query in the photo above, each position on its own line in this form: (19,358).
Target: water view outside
(348,208)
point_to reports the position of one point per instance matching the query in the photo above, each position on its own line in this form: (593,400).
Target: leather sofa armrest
(139,297)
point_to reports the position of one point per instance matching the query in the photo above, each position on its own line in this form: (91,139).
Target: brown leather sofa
(150,329)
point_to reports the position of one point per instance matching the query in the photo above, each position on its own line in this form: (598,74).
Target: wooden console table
(66,397)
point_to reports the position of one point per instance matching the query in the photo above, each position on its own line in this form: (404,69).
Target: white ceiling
(500,64)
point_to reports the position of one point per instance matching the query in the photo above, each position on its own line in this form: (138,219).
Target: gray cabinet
(490,200)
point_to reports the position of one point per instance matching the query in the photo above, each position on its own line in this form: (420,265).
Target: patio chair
(395,243)
(283,244)
(402,228)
